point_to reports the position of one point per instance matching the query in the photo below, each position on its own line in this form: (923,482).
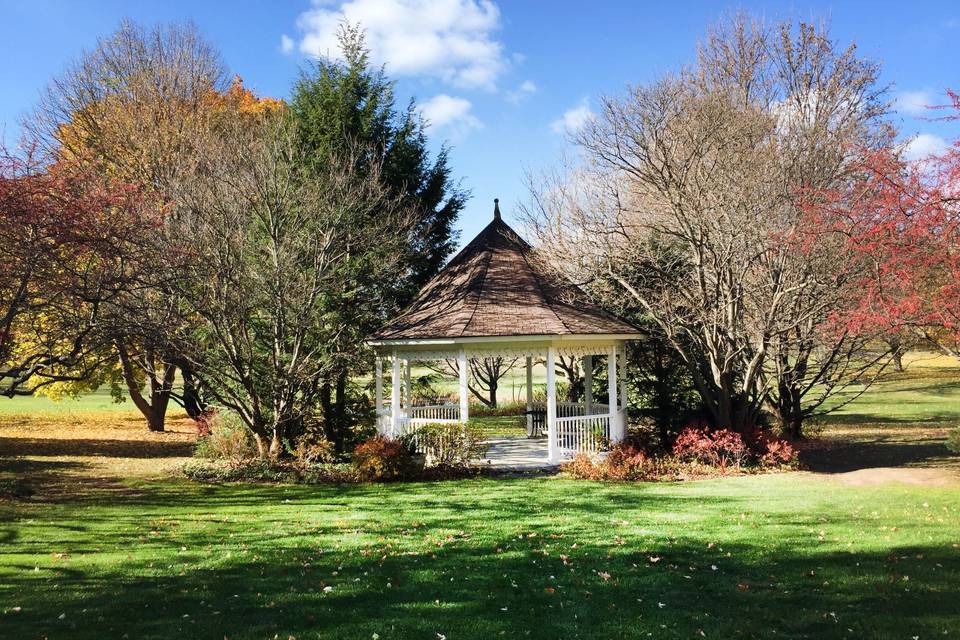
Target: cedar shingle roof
(491,288)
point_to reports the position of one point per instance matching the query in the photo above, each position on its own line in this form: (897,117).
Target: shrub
(229,439)
(953,440)
(260,470)
(624,462)
(448,444)
(382,459)
(722,448)
(313,450)
(769,450)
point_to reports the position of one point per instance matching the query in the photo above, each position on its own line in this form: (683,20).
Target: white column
(588,385)
(553,454)
(529,396)
(395,398)
(464,389)
(612,392)
(378,384)
(407,398)
(623,377)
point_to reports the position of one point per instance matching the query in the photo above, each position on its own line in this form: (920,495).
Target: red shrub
(722,448)
(769,450)
(380,459)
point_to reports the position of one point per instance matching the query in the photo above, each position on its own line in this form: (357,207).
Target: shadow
(95,447)
(863,453)
(929,420)
(515,559)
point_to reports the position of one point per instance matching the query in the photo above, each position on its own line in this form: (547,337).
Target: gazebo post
(553,455)
(407,398)
(529,397)
(623,384)
(464,388)
(378,384)
(612,392)
(395,398)
(588,385)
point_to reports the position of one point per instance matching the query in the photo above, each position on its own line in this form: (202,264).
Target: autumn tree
(904,218)
(133,109)
(64,241)
(690,200)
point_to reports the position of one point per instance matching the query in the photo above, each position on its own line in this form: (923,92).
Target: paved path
(520,453)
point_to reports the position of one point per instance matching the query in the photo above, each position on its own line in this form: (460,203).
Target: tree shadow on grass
(866,453)
(428,566)
(95,447)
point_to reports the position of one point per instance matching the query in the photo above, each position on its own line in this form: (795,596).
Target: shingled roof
(492,288)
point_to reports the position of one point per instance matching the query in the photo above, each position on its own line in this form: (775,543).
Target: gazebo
(491,300)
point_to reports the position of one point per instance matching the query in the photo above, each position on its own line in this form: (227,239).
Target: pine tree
(350,104)
(346,108)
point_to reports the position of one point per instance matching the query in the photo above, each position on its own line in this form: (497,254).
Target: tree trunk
(493,394)
(326,406)
(160,387)
(896,352)
(193,404)
(788,409)
(340,412)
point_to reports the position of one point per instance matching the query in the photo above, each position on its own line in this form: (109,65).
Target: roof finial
(496,208)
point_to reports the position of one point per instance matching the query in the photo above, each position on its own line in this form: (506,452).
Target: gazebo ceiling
(492,288)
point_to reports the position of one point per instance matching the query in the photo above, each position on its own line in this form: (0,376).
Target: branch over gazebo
(491,300)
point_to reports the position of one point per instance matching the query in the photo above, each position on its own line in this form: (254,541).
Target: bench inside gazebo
(491,300)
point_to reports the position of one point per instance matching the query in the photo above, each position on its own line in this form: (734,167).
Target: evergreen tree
(342,106)
(346,109)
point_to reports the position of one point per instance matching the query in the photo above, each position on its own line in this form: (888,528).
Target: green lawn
(112,547)
(779,556)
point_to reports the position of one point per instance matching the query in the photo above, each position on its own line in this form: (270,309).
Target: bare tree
(690,200)
(271,243)
(485,375)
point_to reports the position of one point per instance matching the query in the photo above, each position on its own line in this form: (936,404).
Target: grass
(112,546)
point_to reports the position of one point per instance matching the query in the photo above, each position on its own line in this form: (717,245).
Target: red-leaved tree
(64,241)
(903,217)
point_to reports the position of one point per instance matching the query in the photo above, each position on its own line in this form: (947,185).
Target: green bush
(266,471)
(229,439)
(953,440)
(448,444)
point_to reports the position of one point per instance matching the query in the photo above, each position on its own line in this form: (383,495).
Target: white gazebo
(490,300)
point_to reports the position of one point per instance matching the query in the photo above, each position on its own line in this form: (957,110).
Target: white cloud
(923,146)
(914,103)
(451,112)
(573,119)
(526,89)
(286,43)
(449,39)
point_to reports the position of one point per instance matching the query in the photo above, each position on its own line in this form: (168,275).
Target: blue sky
(500,80)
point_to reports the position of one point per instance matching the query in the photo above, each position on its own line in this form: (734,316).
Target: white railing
(582,434)
(412,417)
(434,413)
(571,409)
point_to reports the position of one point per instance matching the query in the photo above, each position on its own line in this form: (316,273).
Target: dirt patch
(885,475)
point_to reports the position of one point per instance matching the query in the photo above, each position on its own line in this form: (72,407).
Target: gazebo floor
(518,453)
